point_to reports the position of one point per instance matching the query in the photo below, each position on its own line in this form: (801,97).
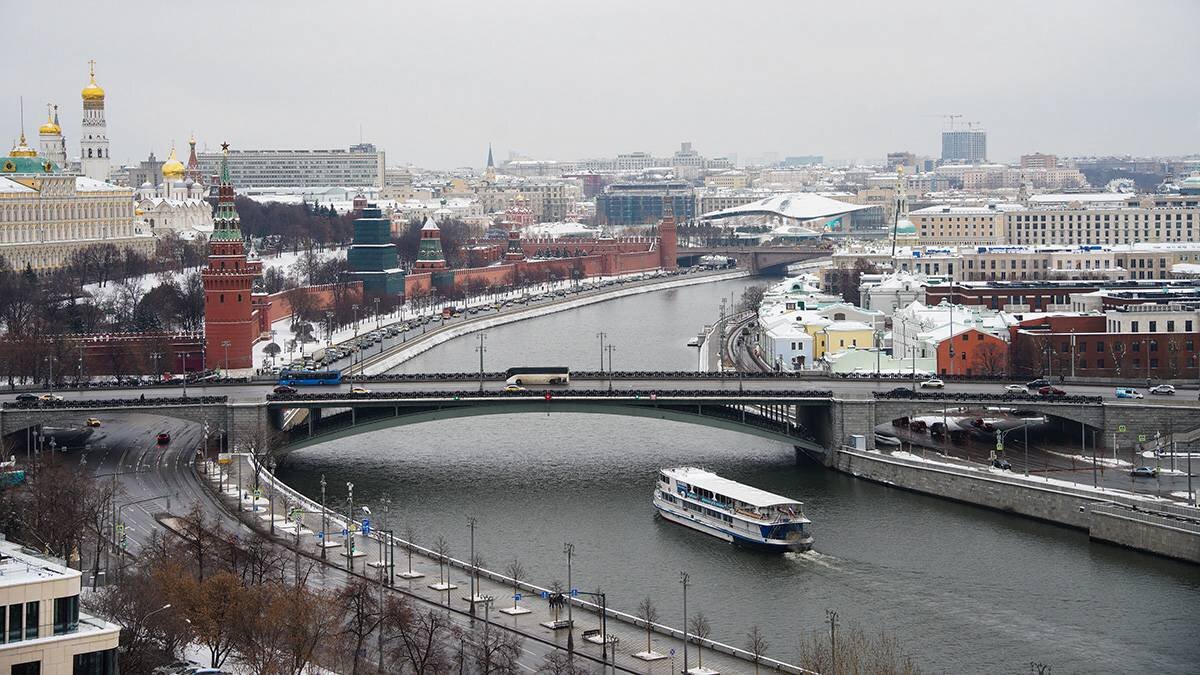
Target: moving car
(27,397)
(1015,389)
(163,438)
(1123,392)
(1144,472)
(1051,391)
(1002,464)
(513,389)
(50,397)
(359,390)
(92,422)
(284,389)
(1163,389)
(933,384)
(1038,383)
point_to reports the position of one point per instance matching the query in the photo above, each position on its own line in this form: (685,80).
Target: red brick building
(973,353)
(1082,346)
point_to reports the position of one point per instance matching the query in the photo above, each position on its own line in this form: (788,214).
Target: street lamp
(350,524)
(481,349)
(569,550)
(610,349)
(324,521)
(685,579)
(1025,428)
(50,361)
(183,371)
(328,327)
(602,335)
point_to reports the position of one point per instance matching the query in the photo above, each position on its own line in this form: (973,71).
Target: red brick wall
(976,353)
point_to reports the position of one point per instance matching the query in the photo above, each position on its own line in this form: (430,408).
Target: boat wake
(815,558)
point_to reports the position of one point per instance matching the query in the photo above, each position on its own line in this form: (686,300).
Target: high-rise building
(360,166)
(229,325)
(641,202)
(964,146)
(93,138)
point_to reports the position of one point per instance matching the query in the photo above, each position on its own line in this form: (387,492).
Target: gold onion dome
(49,128)
(173,168)
(92,92)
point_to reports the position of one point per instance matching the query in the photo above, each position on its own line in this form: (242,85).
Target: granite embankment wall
(1106,516)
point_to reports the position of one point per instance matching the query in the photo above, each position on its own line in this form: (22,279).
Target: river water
(964,589)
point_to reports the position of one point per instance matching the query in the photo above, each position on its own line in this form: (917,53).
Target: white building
(359,166)
(93,139)
(888,292)
(45,633)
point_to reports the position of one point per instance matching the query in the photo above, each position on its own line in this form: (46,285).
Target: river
(963,589)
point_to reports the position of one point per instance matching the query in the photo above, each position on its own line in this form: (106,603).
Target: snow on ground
(1086,459)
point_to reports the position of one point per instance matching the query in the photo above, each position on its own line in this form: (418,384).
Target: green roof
(27,165)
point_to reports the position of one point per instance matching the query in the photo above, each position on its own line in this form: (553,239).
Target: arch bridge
(756,259)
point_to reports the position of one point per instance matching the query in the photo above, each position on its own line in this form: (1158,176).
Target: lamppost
(569,550)
(271,468)
(1150,344)
(685,579)
(324,521)
(50,362)
(610,349)
(602,335)
(1025,428)
(357,354)
(155,356)
(481,349)
(378,319)
(183,371)
(328,327)
(225,344)
(350,525)
(878,351)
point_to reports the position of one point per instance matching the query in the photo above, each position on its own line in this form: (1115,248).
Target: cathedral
(175,202)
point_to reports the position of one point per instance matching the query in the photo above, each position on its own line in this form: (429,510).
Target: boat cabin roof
(727,488)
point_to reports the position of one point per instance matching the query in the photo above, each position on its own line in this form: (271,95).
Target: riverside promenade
(445,580)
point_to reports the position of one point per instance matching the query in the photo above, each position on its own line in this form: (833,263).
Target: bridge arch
(709,415)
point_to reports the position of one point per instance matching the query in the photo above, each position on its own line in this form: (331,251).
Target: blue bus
(310,377)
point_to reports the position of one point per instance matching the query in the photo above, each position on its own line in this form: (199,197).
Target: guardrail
(909,395)
(68,404)
(1154,518)
(310,505)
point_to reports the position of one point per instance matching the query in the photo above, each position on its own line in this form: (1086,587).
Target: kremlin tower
(668,237)
(93,140)
(429,255)
(52,144)
(228,285)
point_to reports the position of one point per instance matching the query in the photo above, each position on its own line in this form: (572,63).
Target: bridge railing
(906,394)
(68,404)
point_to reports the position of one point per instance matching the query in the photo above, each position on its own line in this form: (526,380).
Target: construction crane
(971,125)
(949,119)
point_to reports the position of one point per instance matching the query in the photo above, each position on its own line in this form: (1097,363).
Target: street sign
(672,651)
(320,534)
(574,592)
(516,597)
(1141,438)
(224,458)
(366,526)
(257,494)
(999,446)
(345,532)
(1121,428)
(545,594)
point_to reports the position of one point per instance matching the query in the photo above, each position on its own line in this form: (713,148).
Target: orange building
(973,353)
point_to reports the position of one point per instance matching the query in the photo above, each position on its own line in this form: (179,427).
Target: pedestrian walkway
(524,607)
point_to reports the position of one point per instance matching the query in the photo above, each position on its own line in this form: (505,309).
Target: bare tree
(756,644)
(647,612)
(361,618)
(516,572)
(421,644)
(700,628)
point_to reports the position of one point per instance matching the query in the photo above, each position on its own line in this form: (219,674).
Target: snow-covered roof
(10,185)
(1067,198)
(727,488)
(430,226)
(796,205)
(1003,207)
(85,184)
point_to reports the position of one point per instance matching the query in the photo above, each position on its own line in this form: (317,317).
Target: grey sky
(433,82)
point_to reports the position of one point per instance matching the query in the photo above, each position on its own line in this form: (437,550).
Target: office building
(360,166)
(641,202)
(964,146)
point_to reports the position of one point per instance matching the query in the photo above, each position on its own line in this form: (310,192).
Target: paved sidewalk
(625,639)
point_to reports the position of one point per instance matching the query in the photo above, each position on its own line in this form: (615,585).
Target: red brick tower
(228,283)
(668,237)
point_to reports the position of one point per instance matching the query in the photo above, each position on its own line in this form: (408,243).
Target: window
(15,616)
(1099,363)
(66,614)
(1153,326)
(95,663)
(1100,347)
(1170,326)
(31,619)
(222,297)
(1187,326)
(27,668)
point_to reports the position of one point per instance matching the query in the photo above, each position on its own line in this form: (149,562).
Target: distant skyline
(434,83)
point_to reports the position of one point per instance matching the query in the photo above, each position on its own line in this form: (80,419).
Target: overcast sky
(433,83)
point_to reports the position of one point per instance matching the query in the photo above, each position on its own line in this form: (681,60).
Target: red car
(1051,391)
(164,438)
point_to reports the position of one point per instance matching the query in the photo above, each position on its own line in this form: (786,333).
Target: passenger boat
(729,510)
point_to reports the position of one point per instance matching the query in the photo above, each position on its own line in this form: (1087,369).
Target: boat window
(663,477)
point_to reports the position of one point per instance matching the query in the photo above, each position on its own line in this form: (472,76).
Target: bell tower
(228,283)
(93,139)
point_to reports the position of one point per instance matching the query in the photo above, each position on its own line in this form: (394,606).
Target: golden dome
(92,92)
(139,212)
(49,128)
(172,168)
(21,149)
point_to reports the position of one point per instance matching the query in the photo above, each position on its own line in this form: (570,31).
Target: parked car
(1123,392)
(1144,472)
(918,426)
(284,389)
(1163,389)
(1051,391)
(1015,389)
(92,422)
(1002,464)
(163,438)
(1038,383)
(933,384)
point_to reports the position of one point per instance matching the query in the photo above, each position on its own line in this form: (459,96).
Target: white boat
(886,439)
(729,510)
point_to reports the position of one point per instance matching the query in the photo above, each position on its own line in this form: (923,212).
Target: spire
(491,164)
(226,224)
(193,163)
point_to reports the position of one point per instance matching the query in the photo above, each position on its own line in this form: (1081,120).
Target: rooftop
(728,488)
(19,565)
(795,205)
